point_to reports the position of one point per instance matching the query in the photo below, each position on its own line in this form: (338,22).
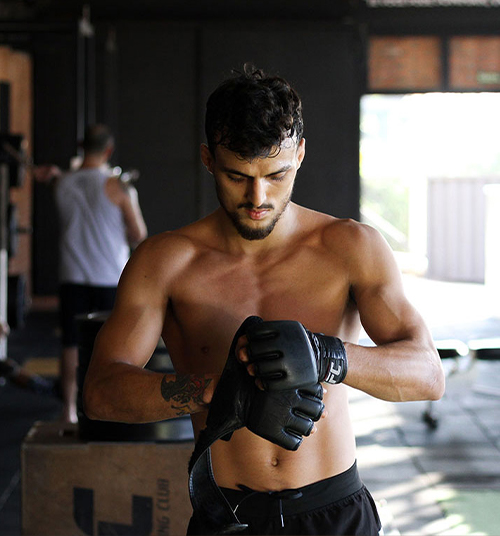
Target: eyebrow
(236,172)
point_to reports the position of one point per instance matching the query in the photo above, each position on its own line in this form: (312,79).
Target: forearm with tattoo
(185,392)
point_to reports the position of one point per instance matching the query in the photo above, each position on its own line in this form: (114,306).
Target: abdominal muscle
(260,465)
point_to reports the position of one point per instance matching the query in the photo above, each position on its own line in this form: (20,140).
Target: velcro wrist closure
(333,358)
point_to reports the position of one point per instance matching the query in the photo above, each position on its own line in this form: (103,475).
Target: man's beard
(250,233)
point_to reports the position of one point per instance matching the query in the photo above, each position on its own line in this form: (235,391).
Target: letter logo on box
(83,514)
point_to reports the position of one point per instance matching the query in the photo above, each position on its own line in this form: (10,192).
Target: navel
(205,350)
(274,461)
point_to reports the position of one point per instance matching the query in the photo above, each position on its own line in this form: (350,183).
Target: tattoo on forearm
(185,392)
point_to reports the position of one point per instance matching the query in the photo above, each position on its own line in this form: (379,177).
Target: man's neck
(93,161)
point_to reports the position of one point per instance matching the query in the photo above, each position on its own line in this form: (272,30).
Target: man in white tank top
(100,220)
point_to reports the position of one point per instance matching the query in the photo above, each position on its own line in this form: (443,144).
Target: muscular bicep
(133,329)
(377,287)
(386,315)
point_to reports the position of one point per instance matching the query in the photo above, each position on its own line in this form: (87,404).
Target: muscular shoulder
(165,253)
(336,233)
(360,248)
(351,235)
(370,259)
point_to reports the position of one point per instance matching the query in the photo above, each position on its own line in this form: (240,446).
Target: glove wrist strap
(333,359)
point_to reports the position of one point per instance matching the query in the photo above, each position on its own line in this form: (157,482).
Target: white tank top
(93,242)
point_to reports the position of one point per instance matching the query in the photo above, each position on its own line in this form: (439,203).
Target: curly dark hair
(252,113)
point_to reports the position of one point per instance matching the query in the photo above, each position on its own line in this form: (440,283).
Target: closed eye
(236,178)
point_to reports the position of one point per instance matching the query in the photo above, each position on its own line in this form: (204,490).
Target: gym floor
(440,480)
(35,345)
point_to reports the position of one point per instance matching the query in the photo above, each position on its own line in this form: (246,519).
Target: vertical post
(90,68)
(4,107)
(110,90)
(4,257)
(85,74)
(4,225)
(492,254)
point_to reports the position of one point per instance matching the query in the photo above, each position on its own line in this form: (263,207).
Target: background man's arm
(127,199)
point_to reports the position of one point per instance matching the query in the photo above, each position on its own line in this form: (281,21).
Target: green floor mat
(472,511)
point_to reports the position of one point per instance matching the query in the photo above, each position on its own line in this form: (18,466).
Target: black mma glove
(287,355)
(282,417)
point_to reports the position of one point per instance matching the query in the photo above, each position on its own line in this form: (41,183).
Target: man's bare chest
(306,275)
(213,296)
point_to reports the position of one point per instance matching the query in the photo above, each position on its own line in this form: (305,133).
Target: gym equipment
(126,178)
(487,354)
(12,173)
(17,306)
(13,153)
(72,487)
(14,230)
(4,257)
(453,354)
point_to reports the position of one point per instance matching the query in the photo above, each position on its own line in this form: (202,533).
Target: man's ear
(110,149)
(207,158)
(301,152)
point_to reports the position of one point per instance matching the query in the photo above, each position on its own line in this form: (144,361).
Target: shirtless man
(261,254)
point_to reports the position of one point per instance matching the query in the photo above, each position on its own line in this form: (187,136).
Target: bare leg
(69,363)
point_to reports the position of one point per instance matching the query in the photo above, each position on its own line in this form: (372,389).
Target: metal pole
(85,75)
(4,257)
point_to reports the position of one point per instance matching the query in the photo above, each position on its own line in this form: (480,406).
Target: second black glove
(286,355)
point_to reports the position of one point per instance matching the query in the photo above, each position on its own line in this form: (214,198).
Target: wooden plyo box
(73,488)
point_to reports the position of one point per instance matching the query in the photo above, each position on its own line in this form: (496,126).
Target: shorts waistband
(248,502)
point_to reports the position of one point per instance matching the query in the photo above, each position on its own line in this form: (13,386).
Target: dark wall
(54,136)
(152,84)
(156,95)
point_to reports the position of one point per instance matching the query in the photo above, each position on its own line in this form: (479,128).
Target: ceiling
(50,10)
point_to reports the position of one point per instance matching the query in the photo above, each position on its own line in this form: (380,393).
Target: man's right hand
(46,173)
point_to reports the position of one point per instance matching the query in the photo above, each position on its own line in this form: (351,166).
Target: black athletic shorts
(77,300)
(340,505)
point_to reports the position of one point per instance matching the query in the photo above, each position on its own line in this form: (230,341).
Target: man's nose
(256,192)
